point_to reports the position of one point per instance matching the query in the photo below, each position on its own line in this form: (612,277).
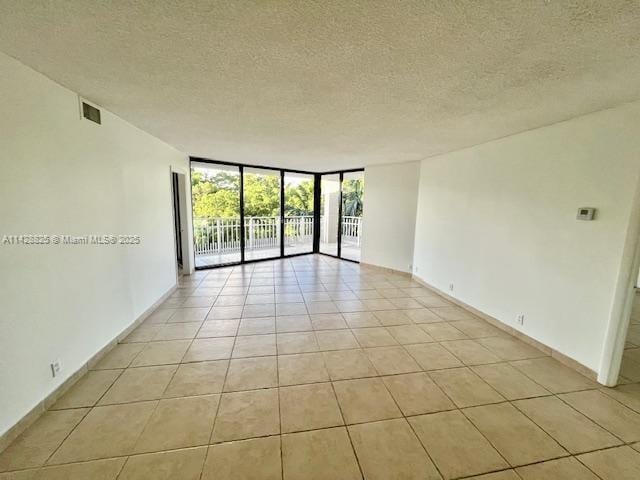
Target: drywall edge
(622,303)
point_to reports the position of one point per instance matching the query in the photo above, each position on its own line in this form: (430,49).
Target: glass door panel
(329,213)
(298,213)
(215,197)
(261,213)
(352,207)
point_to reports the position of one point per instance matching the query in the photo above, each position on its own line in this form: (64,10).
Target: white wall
(498,221)
(63,175)
(390,199)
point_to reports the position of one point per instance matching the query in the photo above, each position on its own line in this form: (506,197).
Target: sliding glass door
(329,213)
(352,207)
(215,191)
(298,213)
(341,208)
(261,193)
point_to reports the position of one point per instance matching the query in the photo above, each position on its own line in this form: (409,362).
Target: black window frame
(317,193)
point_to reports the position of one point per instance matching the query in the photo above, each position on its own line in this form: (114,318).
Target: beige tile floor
(314,368)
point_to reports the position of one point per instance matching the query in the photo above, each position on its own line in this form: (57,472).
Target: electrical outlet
(520,319)
(56,366)
(451,287)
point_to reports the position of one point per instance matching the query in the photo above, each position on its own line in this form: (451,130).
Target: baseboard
(27,420)
(561,357)
(371,266)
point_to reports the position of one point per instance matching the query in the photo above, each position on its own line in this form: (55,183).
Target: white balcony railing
(222,235)
(351,229)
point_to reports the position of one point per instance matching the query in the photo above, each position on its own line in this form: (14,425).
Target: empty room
(318,240)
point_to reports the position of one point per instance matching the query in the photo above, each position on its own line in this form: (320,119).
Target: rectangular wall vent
(91,113)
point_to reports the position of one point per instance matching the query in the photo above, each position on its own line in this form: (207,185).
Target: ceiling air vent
(91,113)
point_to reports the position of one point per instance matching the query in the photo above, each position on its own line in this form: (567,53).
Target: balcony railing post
(219,234)
(235,233)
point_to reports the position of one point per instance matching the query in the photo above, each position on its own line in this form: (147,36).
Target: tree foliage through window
(217,194)
(352,193)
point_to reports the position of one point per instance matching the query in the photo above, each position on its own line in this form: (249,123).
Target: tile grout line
(511,466)
(346,427)
(207,447)
(404,417)
(155,408)
(593,420)
(279,407)
(574,410)
(314,332)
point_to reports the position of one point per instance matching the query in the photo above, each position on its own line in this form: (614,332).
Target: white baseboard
(27,420)
(561,357)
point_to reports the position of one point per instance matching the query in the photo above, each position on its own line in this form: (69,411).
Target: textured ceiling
(328,84)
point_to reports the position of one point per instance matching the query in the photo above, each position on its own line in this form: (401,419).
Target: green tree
(215,195)
(352,193)
(299,199)
(218,195)
(261,195)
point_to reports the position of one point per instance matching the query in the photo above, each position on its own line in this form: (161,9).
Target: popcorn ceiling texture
(330,84)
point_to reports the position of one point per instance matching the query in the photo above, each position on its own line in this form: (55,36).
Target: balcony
(217,240)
